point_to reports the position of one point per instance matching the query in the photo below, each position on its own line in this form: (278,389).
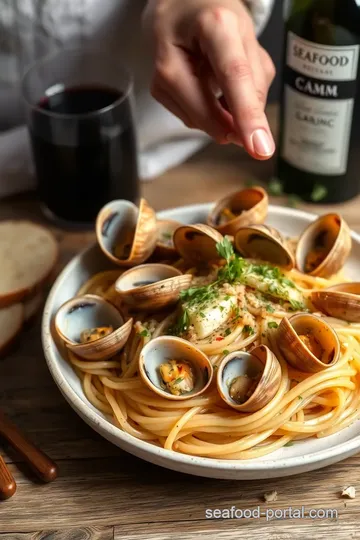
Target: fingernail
(263,144)
(234,139)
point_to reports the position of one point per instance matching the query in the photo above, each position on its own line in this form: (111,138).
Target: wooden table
(104,493)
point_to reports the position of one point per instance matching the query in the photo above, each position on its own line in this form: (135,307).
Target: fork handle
(38,461)
(7,482)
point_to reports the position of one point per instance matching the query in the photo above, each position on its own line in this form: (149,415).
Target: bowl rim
(189,462)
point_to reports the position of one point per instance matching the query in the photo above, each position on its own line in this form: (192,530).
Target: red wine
(320,111)
(84,150)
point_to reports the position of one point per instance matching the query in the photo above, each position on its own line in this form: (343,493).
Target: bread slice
(11,322)
(28,254)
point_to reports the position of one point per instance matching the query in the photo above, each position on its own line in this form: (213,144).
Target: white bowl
(303,456)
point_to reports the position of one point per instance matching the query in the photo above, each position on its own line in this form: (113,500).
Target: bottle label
(319,92)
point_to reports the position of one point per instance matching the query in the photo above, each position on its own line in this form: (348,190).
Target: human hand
(204,48)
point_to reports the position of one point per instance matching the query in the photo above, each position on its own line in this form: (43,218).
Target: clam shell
(265,243)
(197,243)
(261,361)
(164,348)
(341,301)
(295,351)
(91,311)
(165,248)
(251,202)
(331,232)
(116,220)
(152,286)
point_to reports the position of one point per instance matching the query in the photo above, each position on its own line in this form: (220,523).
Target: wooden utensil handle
(7,482)
(39,462)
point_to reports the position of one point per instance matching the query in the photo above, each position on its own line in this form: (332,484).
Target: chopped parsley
(225,249)
(199,295)
(166,235)
(300,397)
(290,443)
(273,324)
(225,352)
(269,308)
(178,380)
(227,332)
(144,333)
(296,306)
(287,282)
(181,325)
(275,187)
(318,193)
(249,330)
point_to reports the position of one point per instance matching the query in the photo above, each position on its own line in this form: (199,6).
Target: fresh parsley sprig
(225,249)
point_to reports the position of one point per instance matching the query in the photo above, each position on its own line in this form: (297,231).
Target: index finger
(222,43)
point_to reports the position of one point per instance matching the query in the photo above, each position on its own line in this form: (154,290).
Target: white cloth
(29,28)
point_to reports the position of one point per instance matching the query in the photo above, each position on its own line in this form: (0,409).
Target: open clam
(174,368)
(125,233)
(91,327)
(341,301)
(152,286)
(165,248)
(197,243)
(324,246)
(264,243)
(308,343)
(246,207)
(249,381)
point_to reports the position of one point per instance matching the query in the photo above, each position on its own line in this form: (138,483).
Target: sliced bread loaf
(28,254)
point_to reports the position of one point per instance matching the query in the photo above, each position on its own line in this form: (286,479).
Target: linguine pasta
(305,405)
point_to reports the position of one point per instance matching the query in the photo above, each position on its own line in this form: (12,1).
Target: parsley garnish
(199,295)
(144,333)
(296,306)
(300,397)
(290,443)
(178,380)
(273,324)
(275,187)
(269,308)
(249,329)
(225,249)
(227,332)
(181,325)
(318,193)
(288,282)
(166,235)
(225,352)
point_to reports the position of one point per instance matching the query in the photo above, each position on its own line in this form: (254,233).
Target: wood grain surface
(102,493)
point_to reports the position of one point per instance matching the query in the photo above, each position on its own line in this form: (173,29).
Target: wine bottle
(319,147)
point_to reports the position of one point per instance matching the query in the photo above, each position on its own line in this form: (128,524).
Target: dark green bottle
(320,103)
